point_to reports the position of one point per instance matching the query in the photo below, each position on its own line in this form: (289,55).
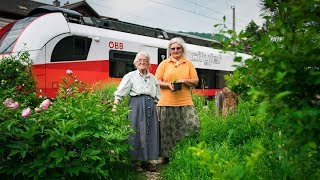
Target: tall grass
(238,146)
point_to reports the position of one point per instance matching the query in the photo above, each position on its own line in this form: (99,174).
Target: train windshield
(11,32)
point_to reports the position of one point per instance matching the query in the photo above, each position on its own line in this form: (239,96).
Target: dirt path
(154,175)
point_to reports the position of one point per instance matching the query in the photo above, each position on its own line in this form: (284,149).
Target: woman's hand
(166,85)
(189,82)
(170,86)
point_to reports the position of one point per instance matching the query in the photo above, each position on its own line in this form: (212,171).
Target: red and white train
(98,49)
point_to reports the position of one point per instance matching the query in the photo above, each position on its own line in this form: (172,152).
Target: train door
(162,55)
(46,81)
(59,54)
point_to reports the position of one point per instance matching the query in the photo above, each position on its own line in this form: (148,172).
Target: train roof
(115,24)
(48,9)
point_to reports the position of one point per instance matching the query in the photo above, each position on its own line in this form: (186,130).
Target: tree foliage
(283,75)
(253,32)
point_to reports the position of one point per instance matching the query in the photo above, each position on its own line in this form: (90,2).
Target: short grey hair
(142,53)
(178,40)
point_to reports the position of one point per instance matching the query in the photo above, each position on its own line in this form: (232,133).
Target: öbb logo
(115,45)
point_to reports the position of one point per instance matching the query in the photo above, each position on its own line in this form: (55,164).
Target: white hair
(178,40)
(142,53)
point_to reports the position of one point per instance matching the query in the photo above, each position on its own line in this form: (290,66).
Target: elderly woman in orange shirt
(176,110)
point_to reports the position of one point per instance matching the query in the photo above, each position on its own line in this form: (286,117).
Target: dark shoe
(149,166)
(137,167)
(165,160)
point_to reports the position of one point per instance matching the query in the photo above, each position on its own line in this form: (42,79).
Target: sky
(179,15)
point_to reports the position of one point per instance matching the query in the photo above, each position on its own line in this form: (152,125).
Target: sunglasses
(176,48)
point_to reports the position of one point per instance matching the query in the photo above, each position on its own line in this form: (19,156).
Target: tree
(253,31)
(283,76)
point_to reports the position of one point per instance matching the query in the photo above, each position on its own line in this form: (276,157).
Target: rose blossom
(14,105)
(26,112)
(45,104)
(7,102)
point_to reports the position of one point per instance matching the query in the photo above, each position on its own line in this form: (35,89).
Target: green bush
(240,146)
(17,81)
(77,135)
(283,78)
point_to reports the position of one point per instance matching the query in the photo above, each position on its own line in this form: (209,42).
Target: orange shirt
(170,70)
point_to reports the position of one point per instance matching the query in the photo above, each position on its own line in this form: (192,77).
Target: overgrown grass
(238,146)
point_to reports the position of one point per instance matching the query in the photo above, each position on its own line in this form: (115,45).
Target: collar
(182,60)
(148,74)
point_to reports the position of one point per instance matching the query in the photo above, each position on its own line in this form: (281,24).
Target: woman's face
(176,50)
(142,63)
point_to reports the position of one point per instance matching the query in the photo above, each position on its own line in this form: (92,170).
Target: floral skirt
(175,124)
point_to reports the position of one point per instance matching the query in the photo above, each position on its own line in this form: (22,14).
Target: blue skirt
(144,120)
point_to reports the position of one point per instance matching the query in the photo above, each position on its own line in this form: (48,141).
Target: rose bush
(76,134)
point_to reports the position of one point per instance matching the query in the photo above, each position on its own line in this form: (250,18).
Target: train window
(10,33)
(121,62)
(211,79)
(220,82)
(206,79)
(80,47)
(71,48)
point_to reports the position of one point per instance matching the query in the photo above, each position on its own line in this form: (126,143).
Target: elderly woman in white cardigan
(144,91)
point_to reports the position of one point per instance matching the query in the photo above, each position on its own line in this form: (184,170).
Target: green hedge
(74,135)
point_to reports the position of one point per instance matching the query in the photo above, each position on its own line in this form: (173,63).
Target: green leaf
(238,59)
(71,153)
(94,152)
(84,169)
(283,31)
(13,152)
(94,157)
(41,170)
(59,159)
(282,95)
(58,153)
(280,76)
(23,154)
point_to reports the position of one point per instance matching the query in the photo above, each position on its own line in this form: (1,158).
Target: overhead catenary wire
(205,7)
(137,16)
(220,21)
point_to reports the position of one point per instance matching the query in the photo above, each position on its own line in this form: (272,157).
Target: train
(98,49)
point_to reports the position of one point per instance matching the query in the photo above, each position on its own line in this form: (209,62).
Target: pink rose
(14,105)
(26,112)
(7,102)
(45,104)
(69,72)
